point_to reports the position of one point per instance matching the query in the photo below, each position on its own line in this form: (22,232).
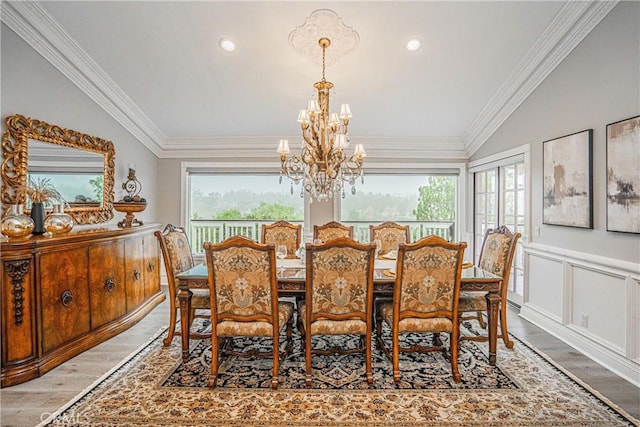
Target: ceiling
(156,68)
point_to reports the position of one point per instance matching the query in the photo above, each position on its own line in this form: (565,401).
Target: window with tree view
(223,205)
(427,203)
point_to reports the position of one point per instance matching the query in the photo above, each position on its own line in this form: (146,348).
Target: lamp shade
(283,147)
(313,107)
(345,111)
(303,116)
(359,151)
(341,141)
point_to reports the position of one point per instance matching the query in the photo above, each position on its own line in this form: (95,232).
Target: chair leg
(307,346)
(289,347)
(503,325)
(396,357)
(213,376)
(480,317)
(368,359)
(276,361)
(453,351)
(172,327)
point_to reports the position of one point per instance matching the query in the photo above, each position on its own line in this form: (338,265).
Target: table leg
(493,306)
(184,296)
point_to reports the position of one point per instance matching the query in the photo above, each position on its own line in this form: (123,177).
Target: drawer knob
(67,298)
(151,266)
(110,285)
(136,274)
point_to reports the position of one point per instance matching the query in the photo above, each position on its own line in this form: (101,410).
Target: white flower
(429,281)
(241,283)
(341,283)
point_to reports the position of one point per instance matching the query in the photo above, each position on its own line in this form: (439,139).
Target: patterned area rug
(343,372)
(153,388)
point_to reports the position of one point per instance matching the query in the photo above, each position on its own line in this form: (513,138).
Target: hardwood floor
(29,403)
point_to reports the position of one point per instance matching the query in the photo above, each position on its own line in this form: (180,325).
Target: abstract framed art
(568,180)
(623,176)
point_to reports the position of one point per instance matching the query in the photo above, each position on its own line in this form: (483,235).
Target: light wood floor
(26,404)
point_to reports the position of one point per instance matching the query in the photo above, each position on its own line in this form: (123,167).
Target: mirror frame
(15,153)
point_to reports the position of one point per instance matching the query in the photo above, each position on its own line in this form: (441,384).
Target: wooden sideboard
(62,295)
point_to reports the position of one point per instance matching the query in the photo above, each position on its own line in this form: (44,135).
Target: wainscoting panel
(546,295)
(590,302)
(598,306)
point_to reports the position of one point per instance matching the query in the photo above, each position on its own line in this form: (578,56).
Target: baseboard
(616,363)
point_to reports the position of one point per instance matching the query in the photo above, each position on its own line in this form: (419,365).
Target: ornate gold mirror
(79,165)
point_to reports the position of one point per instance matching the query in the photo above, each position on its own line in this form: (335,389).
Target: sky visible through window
(231,196)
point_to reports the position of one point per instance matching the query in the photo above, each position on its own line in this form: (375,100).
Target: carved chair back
(332,230)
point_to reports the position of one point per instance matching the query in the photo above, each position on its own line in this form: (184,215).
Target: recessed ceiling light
(413,45)
(226,45)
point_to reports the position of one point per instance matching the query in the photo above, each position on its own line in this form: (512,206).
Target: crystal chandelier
(323,167)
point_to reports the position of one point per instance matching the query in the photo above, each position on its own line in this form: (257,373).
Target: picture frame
(623,177)
(568,180)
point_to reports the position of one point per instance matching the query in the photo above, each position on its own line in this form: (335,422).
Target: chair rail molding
(588,301)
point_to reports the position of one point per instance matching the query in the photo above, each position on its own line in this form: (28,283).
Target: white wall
(572,272)
(34,88)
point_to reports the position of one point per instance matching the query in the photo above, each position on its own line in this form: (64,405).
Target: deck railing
(215,231)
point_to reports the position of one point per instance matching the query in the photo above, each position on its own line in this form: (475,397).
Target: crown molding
(569,27)
(265,147)
(40,30)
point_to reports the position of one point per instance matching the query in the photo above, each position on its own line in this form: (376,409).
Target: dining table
(291,282)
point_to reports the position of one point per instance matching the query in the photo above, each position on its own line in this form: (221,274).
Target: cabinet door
(134,272)
(18,309)
(65,296)
(152,266)
(106,282)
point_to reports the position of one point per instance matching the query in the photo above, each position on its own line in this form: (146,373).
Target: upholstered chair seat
(231,328)
(334,327)
(472,301)
(415,324)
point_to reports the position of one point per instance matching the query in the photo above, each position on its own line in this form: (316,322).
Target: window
(425,202)
(224,204)
(486,203)
(500,196)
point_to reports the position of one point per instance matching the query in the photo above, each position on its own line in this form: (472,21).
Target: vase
(37,215)
(16,223)
(58,221)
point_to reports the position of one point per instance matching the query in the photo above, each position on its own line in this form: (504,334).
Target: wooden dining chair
(496,256)
(390,235)
(177,257)
(332,230)
(339,298)
(244,301)
(283,233)
(425,298)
